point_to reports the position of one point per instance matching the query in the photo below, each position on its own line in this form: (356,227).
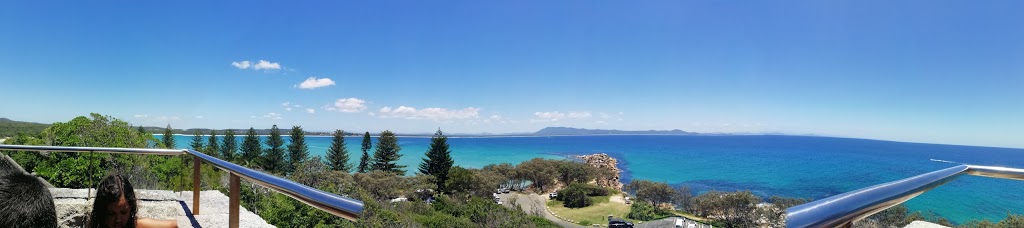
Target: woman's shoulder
(155,223)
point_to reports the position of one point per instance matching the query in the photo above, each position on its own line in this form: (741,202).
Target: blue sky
(947,72)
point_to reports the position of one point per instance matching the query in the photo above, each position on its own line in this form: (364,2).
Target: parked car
(617,222)
(552,195)
(506,190)
(679,223)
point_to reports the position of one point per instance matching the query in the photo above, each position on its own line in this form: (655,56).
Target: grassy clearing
(597,213)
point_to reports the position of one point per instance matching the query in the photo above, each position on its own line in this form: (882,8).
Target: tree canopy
(337,154)
(385,158)
(438,159)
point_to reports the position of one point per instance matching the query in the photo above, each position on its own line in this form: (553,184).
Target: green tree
(438,160)
(273,160)
(212,147)
(197,141)
(541,172)
(337,154)
(364,161)
(168,138)
(297,148)
(654,192)
(575,196)
(385,158)
(251,148)
(80,170)
(142,130)
(227,151)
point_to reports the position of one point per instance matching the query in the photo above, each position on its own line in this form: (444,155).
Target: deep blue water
(794,166)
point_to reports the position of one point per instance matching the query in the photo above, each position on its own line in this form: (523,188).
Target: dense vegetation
(440,195)
(10,128)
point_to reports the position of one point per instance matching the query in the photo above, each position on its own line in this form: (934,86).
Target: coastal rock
(605,162)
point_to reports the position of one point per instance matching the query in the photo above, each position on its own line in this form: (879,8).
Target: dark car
(615,222)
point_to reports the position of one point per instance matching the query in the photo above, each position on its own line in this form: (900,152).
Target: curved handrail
(338,205)
(843,209)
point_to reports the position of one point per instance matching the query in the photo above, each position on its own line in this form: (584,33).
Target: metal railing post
(195,185)
(233,201)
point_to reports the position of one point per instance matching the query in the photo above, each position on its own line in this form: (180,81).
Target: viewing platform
(73,208)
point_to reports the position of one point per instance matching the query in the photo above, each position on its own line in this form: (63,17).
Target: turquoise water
(793,166)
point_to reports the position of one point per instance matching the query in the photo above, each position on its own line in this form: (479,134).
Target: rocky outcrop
(604,162)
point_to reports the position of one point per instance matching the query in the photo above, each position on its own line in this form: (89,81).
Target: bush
(644,211)
(575,196)
(594,190)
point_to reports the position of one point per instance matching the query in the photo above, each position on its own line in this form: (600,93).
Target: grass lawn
(593,214)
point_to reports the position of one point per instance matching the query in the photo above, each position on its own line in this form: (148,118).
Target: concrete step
(73,207)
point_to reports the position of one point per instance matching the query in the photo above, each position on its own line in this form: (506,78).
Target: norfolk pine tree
(168,138)
(385,158)
(337,154)
(227,150)
(212,147)
(273,159)
(250,148)
(297,148)
(439,159)
(197,141)
(364,162)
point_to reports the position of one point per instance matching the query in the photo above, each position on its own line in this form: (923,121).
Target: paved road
(534,203)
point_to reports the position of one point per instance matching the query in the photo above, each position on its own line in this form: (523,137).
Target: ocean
(792,166)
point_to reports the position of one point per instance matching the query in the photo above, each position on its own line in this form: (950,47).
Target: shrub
(575,196)
(644,211)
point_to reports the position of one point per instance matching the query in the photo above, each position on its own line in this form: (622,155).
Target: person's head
(115,204)
(25,202)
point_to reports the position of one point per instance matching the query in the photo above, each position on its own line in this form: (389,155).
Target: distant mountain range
(581,131)
(10,128)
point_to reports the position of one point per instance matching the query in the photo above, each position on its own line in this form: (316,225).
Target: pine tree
(364,162)
(142,130)
(297,148)
(197,141)
(274,160)
(251,148)
(212,146)
(337,155)
(227,151)
(168,138)
(385,158)
(438,160)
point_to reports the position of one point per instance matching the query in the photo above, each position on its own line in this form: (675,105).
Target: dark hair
(109,192)
(25,202)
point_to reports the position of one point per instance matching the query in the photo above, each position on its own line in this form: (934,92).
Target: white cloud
(605,115)
(556,116)
(288,109)
(495,117)
(310,111)
(242,65)
(140,115)
(313,83)
(266,65)
(436,114)
(285,104)
(272,115)
(260,65)
(347,105)
(199,117)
